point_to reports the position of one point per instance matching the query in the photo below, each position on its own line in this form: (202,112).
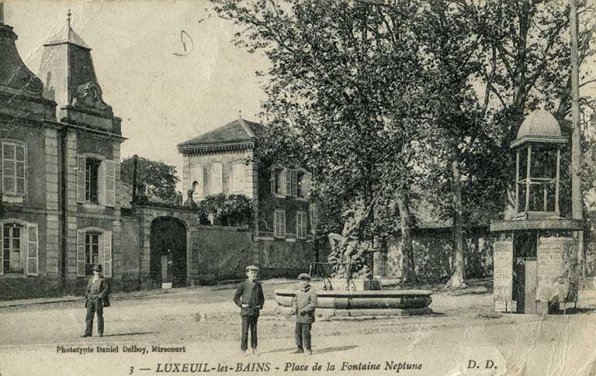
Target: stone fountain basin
(375,299)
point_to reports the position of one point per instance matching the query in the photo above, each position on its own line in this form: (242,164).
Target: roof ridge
(67,35)
(246,128)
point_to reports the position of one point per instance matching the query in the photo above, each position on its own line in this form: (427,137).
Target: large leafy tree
(154,179)
(376,97)
(336,86)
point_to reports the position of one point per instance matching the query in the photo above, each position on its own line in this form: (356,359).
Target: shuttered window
(96,181)
(279,225)
(301,224)
(14,167)
(94,246)
(20,248)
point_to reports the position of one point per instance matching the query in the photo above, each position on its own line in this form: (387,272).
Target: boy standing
(249,297)
(305,302)
(96,298)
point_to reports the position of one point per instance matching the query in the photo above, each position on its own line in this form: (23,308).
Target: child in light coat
(305,302)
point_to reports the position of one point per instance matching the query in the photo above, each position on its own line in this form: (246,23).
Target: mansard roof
(16,80)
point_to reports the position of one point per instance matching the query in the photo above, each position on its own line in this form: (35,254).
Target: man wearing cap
(305,302)
(249,297)
(96,297)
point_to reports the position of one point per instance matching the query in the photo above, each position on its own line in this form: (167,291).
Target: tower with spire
(68,73)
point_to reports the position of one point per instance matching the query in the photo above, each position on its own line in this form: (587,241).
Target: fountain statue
(347,257)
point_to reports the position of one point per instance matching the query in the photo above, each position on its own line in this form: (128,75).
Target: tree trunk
(458,276)
(408,269)
(520,92)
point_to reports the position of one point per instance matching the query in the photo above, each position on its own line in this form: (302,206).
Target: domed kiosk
(535,254)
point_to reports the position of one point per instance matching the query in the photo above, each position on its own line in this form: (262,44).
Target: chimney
(1,12)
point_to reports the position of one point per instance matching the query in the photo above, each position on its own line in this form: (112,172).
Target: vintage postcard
(297,187)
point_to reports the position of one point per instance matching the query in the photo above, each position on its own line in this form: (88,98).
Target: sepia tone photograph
(298,187)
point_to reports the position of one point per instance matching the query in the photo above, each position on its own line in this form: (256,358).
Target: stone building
(222,161)
(60,169)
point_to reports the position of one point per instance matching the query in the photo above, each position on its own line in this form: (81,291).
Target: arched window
(196,177)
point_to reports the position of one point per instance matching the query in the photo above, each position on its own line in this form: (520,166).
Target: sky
(162,97)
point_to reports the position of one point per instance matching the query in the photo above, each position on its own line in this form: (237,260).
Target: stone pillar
(193,251)
(52,241)
(117,251)
(145,248)
(503,275)
(551,255)
(71,210)
(186,172)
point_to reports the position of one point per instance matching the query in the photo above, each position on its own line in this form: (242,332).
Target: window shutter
(1,247)
(101,183)
(273,176)
(8,168)
(306,184)
(21,167)
(294,175)
(107,253)
(287,177)
(80,253)
(81,165)
(283,223)
(110,183)
(32,250)
(298,227)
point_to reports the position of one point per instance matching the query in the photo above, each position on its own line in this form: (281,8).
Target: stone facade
(221,161)
(59,212)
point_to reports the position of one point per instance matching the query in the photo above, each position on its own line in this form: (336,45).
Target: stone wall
(552,254)
(282,258)
(433,253)
(223,253)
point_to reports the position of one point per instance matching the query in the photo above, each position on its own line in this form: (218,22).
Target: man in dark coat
(249,297)
(96,297)
(305,302)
